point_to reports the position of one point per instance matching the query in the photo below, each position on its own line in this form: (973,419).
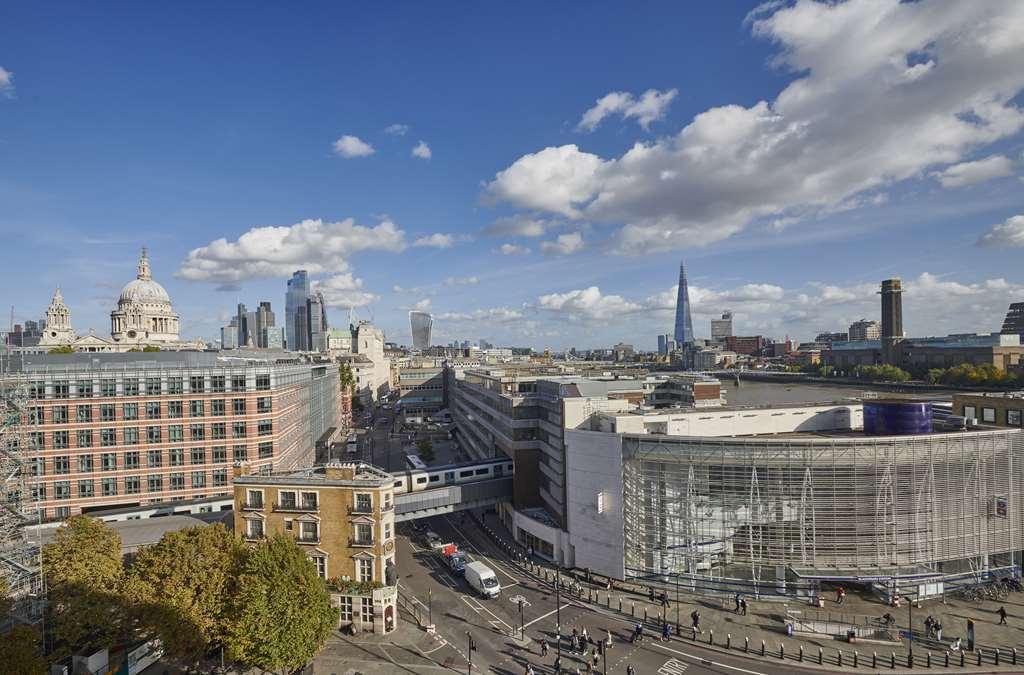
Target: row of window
(1013,418)
(129,485)
(153,410)
(148,386)
(105,438)
(308,532)
(108,461)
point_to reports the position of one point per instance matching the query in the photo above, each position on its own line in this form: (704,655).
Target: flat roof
(366,475)
(138,533)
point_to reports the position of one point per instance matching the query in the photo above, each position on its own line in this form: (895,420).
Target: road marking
(480,607)
(544,616)
(673,667)
(707,661)
(490,560)
(518,598)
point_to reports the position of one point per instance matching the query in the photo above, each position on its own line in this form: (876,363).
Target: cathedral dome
(144,290)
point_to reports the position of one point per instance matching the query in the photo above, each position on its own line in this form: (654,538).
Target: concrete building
(829,338)
(229,335)
(58,324)
(721,328)
(751,345)
(1002,409)
(865,330)
(685,390)
(623,352)
(420,324)
(114,430)
(712,359)
(343,517)
(421,389)
(272,337)
(1001,351)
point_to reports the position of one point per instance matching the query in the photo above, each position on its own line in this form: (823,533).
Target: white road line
(486,558)
(706,661)
(544,616)
(480,607)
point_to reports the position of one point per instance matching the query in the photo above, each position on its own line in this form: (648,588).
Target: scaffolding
(19,558)
(767,510)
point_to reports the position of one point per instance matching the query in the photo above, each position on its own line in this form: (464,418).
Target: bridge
(451,498)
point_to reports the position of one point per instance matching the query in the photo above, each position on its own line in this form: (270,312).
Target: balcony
(360,543)
(308,539)
(254,536)
(304,507)
(361,509)
(390,506)
(252,506)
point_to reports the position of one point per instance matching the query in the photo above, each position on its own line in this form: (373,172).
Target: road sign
(516,599)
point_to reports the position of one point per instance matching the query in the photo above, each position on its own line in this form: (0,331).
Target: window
(387,531)
(176,457)
(60,414)
(238,383)
(196,408)
(198,455)
(346,607)
(131,436)
(321,565)
(364,571)
(152,386)
(238,430)
(197,432)
(175,433)
(364,533)
(62,464)
(177,481)
(153,434)
(1013,418)
(84,413)
(37,493)
(217,407)
(131,485)
(131,387)
(219,431)
(155,483)
(108,388)
(131,411)
(107,412)
(239,453)
(265,427)
(387,501)
(36,390)
(988,415)
(198,479)
(86,489)
(109,487)
(153,410)
(308,501)
(366,608)
(62,489)
(37,440)
(131,460)
(35,414)
(175,385)
(217,383)
(238,406)
(309,532)
(61,389)
(263,383)
(254,499)
(195,384)
(263,404)
(154,458)
(62,512)
(220,477)
(36,466)
(254,529)
(84,388)
(60,439)
(220,454)
(266,450)
(287,500)
(108,438)
(85,438)
(969,412)
(85,464)
(108,461)
(174,410)
(364,502)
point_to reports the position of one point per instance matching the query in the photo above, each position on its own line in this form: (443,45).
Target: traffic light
(472,644)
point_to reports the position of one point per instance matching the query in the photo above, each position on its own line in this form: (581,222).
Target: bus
(414,462)
(351,446)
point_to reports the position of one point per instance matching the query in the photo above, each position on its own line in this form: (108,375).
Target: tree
(19,651)
(63,349)
(425,450)
(345,376)
(150,348)
(281,611)
(84,573)
(181,588)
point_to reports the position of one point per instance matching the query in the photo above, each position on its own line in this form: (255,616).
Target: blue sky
(793,156)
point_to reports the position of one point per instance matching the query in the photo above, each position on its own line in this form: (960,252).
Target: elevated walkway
(451,498)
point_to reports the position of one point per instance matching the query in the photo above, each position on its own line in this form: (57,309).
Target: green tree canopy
(181,589)
(19,651)
(84,573)
(63,349)
(282,610)
(425,449)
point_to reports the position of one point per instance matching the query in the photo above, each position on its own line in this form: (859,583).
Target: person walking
(695,618)
(630,670)
(664,631)
(585,635)
(543,647)
(529,669)
(938,630)
(608,641)
(1002,615)
(743,606)
(928,625)
(593,657)
(737,599)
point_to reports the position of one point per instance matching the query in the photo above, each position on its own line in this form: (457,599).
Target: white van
(482,579)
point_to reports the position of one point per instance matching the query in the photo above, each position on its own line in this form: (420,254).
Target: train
(415,480)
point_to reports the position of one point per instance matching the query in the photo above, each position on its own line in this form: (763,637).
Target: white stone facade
(144,313)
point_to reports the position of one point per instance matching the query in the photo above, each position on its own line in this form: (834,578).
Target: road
(496,627)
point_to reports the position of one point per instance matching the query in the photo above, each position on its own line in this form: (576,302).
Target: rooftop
(333,474)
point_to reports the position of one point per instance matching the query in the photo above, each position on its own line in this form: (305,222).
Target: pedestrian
(558,664)
(1002,616)
(586,636)
(664,599)
(630,670)
(842,595)
(743,606)
(839,595)
(529,669)
(664,631)
(695,618)
(928,625)
(593,657)
(650,593)
(737,599)
(543,647)
(608,642)
(938,630)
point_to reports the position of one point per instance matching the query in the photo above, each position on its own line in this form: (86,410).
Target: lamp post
(469,653)
(677,599)
(558,613)
(522,624)
(430,612)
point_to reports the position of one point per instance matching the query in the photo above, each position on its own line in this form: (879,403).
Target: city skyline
(539,242)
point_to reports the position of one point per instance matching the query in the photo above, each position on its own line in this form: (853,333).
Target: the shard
(684,321)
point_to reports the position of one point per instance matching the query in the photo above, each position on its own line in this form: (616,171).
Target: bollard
(979,657)
(632,609)
(782,651)
(874,660)
(728,640)
(801,657)
(821,655)
(590,596)
(762,647)
(910,660)
(928,660)
(746,644)
(961,658)
(711,637)
(1014,654)
(997,656)
(892,662)
(856,658)
(620,603)
(645,615)
(839,658)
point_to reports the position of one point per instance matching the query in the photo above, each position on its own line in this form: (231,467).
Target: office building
(116,430)
(684,390)
(663,344)
(318,327)
(1013,324)
(264,321)
(721,328)
(273,337)
(242,324)
(865,330)
(229,335)
(1002,409)
(829,338)
(420,324)
(343,516)
(749,345)
(684,321)
(296,313)
(420,389)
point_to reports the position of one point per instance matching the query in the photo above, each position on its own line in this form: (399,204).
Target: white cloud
(1008,233)
(461,281)
(587,304)
(565,244)
(969,173)
(435,241)
(513,249)
(423,305)
(861,113)
(651,106)
(397,129)
(519,225)
(352,146)
(422,150)
(266,252)
(6,80)
(491,315)
(343,290)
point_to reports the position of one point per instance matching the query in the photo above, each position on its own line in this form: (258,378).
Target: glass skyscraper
(684,322)
(296,315)
(420,324)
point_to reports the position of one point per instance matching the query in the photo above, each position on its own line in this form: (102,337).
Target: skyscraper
(684,322)
(420,324)
(1013,324)
(295,313)
(722,328)
(316,310)
(892,318)
(264,320)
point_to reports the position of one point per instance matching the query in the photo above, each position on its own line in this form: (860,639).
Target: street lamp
(522,624)
(430,612)
(558,613)
(469,652)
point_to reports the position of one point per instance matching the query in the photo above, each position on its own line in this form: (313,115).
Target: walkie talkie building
(420,324)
